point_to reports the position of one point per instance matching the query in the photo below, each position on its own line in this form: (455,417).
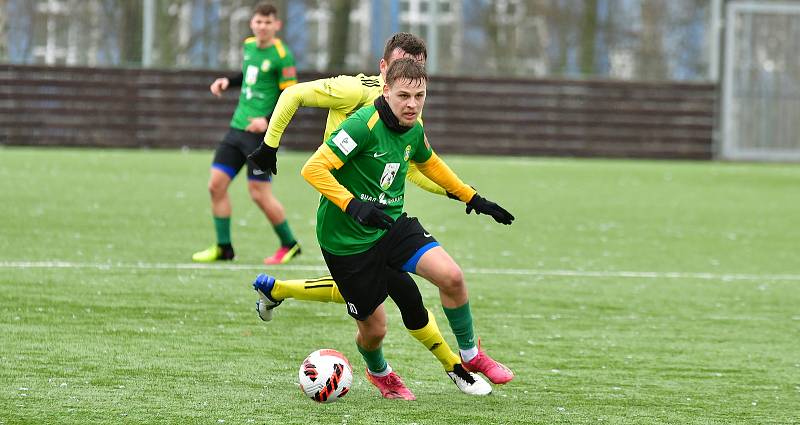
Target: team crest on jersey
(251,75)
(407,153)
(389,173)
(265,65)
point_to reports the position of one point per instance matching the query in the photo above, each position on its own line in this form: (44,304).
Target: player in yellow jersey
(343,95)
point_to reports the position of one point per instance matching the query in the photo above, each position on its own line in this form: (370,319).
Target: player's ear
(385,90)
(383,66)
(278,24)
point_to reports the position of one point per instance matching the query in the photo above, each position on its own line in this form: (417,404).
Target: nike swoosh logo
(378,155)
(427,235)
(257,172)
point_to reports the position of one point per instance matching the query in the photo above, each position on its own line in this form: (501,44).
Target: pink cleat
(391,386)
(497,372)
(283,255)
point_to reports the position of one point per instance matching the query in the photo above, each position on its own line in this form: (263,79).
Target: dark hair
(405,69)
(265,9)
(408,43)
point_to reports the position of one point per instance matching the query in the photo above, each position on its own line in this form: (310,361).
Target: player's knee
(257,196)
(260,193)
(375,333)
(216,189)
(414,318)
(452,280)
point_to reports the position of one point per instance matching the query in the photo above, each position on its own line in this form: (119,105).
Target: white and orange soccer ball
(325,375)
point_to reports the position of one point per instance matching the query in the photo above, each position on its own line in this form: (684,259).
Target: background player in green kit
(360,171)
(267,69)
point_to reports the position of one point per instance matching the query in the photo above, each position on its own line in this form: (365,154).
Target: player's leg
(226,164)
(369,340)
(259,185)
(363,287)
(272,292)
(436,266)
(421,324)
(417,319)
(261,193)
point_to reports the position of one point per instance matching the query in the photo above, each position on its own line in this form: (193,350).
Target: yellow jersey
(342,96)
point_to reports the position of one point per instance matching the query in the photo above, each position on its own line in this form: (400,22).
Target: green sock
(374,359)
(285,233)
(223,227)
(460,319)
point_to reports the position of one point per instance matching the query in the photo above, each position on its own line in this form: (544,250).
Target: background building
(626,39)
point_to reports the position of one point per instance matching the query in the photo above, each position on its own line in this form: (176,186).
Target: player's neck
(263,44)
(388,117)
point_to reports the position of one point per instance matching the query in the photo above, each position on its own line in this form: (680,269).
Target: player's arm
(415,176)
(329,93)
(440,174)
(342,145)
(288,70)
(236,80)
(436,169)
(317,172)
(221,84)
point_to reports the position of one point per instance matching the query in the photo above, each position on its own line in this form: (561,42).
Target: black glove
(265,158)
(451,196)
(369,214)
(484,206)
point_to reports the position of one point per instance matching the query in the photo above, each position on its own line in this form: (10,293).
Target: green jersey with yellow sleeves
(375,162)
(265,73)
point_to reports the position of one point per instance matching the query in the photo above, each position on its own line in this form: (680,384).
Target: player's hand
(452,196)
(484,206)
(219,85)
(265,158)
(369,214)
(257,125)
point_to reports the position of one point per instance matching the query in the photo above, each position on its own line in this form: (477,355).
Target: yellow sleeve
(435,169)
(419,179)
(340,93)
(317,172)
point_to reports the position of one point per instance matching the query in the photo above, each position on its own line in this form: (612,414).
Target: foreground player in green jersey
(363,233)
(343,95)
(267,69)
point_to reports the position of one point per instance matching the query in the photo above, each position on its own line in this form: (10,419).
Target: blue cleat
(263,285)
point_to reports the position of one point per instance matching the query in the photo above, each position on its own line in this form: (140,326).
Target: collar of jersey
(388,117)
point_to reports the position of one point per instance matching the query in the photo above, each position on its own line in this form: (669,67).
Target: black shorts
(232,153)
(362,277)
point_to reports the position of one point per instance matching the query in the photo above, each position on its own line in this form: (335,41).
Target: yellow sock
(323,289)
(433,340)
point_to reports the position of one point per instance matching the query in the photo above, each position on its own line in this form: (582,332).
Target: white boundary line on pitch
(467,270)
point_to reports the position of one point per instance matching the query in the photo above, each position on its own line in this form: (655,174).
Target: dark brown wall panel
(51,106)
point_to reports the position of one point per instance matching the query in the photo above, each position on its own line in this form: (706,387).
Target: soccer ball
(325,376)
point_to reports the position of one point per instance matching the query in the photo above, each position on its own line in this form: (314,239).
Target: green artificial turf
(626,292)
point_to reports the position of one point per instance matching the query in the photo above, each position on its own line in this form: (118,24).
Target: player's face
(264,27)
(406,99)
(398,53)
